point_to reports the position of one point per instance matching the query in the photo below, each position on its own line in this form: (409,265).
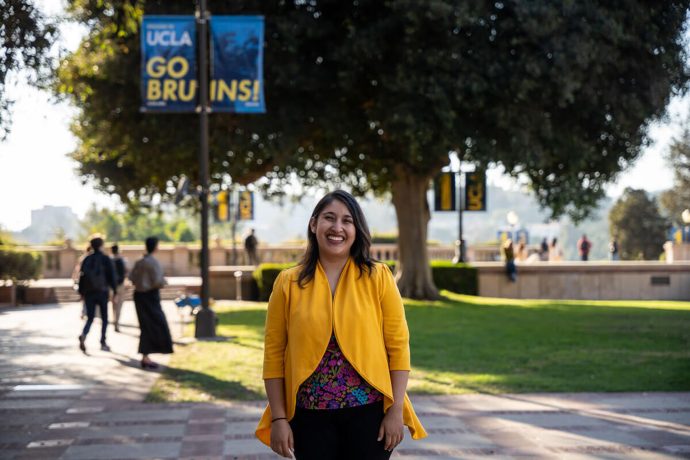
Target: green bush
(458,278)
(265,275)
(19,266)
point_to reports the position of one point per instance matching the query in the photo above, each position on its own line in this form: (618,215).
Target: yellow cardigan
(368,318)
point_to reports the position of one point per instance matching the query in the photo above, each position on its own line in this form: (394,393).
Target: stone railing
(588,280)
(183,259)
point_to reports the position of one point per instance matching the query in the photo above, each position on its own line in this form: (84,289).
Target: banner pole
(205,318)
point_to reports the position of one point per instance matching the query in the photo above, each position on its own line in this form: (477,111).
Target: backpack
(119,270)
(585,246)
(92,275)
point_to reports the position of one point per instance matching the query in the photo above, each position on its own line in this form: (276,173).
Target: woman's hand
(281,438)
(391,431)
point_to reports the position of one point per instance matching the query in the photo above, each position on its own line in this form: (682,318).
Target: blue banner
(237,44)
(168,64)
(444,192)
(475,191)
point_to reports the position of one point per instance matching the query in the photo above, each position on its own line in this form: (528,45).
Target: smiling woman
(337,355)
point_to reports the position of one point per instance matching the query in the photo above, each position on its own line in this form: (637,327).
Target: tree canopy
(26,36)
(375,94)
(136,226)
(677,199)
(638,227)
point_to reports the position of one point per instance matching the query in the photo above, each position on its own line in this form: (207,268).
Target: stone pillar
(179,264)
(676,252)
(217,253)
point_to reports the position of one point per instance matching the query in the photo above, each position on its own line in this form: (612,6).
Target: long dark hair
(360,248)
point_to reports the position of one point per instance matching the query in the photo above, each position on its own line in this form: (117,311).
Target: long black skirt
(155,334)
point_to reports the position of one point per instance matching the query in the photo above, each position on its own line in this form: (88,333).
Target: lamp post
(513,220)
(205,318)
(685,215)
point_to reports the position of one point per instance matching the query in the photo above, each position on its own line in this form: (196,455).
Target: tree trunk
(413,272)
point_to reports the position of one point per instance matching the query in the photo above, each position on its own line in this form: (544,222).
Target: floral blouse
(335,384)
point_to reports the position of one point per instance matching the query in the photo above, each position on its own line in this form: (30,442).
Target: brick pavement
(57,403)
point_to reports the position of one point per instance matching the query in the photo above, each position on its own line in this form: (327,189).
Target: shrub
(19,266)
(458,278)
(265,275)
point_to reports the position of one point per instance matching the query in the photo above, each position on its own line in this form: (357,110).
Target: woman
(147,277)
(555,253)
(336,359)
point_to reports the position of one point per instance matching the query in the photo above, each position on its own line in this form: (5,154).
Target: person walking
(583,247)
(250,247)
(119,294)
(96,276)
(147,277)
(555,253)
(76,274)
(613,250)
(336,356)
(544,250)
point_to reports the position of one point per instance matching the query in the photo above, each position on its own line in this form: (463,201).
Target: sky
(35,169)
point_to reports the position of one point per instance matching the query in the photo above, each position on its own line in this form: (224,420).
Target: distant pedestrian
(555,253)
(147,277)
(119,294)
(250,246)
(544,250)
(583,247)
(521,253)
(509,259)
(76,273)
(613,250)
(96,276)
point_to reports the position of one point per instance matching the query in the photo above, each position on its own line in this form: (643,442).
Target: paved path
(57,403)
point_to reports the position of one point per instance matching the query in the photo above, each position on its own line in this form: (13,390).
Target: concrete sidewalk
(57,403)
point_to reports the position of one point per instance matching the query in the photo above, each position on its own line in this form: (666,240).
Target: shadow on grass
(198,382)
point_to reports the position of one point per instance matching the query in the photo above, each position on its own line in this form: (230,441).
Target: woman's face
(335,230)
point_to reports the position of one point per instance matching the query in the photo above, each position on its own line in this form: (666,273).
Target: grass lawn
(473,344)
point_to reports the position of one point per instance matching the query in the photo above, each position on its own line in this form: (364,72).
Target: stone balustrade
(183,259)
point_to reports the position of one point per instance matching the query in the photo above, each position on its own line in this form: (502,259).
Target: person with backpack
(583,247)
(96,277)
(119,294)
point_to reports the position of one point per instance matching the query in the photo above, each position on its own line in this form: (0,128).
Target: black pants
(339,434)
(155,334)
(91,299)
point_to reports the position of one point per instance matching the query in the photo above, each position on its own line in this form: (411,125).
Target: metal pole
(205,318)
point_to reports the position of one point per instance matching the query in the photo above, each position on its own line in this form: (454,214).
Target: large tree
(25,40)
(638,227)
(376,93)
(677,199)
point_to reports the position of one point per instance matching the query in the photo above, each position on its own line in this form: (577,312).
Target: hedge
(18,266)
(459,278)
(265,275)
